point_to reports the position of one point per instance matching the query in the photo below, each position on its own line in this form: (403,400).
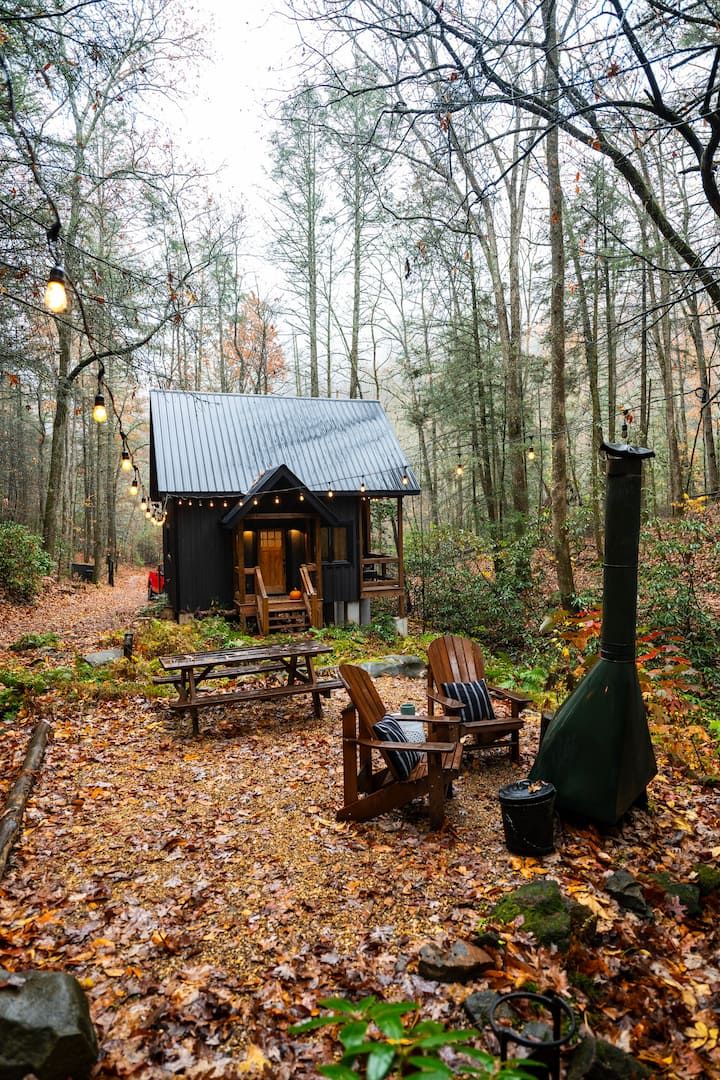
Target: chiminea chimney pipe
(597,750)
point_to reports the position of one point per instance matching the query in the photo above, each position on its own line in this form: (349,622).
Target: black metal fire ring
(547,1000)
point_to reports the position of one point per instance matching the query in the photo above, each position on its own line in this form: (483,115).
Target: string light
(276,500)
(134,483)
(363,489)
(143,502)
(125,459)
(405,478)
(56,297)
(301,497)
(531,450)
(459,468)
(330,492)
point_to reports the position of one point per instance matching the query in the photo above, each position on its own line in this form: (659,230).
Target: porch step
(289,620)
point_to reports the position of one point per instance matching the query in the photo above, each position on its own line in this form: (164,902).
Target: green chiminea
(597,749)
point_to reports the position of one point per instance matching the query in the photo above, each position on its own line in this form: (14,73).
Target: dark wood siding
(204,564)
(340,576)
(170,534)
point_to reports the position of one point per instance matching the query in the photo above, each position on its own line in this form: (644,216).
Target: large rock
(405,667)
(457,963)
(45,1027)
(479,1005)
(627,891)
(549,916)
(595,1059)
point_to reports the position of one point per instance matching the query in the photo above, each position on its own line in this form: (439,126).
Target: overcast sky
(226,122)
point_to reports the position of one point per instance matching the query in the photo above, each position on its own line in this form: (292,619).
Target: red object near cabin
(156,583)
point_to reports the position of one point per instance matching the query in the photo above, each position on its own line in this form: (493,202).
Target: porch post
(318,573)
(240,594)
(401,559)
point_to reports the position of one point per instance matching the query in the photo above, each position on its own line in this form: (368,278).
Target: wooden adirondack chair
(457,659)
(369,791)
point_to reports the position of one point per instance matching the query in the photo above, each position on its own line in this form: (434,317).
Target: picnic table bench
(189,671)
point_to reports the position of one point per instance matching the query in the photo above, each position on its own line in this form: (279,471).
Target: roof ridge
(282,397)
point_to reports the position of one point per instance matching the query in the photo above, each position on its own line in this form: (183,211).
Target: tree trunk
(711,463)
(591,360)
(51,523)
(12,816)
(563,564)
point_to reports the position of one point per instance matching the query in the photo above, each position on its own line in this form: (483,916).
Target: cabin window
(335,544)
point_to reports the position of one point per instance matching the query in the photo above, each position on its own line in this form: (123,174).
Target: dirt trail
(78,613)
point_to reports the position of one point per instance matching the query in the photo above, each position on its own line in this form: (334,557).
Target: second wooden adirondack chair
(460,661)
(369,791)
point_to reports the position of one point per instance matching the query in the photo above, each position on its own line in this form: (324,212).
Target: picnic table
(188,672)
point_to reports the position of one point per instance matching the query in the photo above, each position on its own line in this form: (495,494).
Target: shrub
(160,637)
(35,641)
(677,580)
(458,588)
(379,1039)
(22,562)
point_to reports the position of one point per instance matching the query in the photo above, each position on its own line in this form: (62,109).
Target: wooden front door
(271,559)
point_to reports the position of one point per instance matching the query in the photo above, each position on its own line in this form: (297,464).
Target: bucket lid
(526,789)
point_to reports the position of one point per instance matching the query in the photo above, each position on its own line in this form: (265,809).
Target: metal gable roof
(222,443)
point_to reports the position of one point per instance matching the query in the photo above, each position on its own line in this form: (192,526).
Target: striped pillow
(402,761)
(474,697)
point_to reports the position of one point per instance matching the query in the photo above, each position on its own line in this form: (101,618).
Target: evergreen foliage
(458,588)
(22,562)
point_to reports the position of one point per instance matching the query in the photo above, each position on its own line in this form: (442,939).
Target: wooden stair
(285,614)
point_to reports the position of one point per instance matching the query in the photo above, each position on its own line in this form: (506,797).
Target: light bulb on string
(99,411)
(531,452)
(330,492)
(459,468)
(363,489)
(56,296)
(134,484)
(143,502)
(125,460)
(405,478)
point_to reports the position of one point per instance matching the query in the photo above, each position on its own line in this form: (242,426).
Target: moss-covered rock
(550,917)
(708,878)
(595,1059)
(687,894)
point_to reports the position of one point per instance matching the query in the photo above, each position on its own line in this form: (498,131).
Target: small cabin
(269,506)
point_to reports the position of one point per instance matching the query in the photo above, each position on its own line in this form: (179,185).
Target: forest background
(501,220)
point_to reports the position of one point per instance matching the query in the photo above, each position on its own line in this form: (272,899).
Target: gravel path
(76,612)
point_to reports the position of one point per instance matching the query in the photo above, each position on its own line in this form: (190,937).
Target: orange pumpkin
(295,594)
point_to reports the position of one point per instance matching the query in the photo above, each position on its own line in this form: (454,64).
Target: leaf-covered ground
(205,896)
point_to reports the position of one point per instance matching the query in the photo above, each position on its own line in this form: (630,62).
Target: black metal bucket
(528,809)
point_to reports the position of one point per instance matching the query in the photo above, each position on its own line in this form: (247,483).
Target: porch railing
(380,573)
(262,604)
(313,602)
